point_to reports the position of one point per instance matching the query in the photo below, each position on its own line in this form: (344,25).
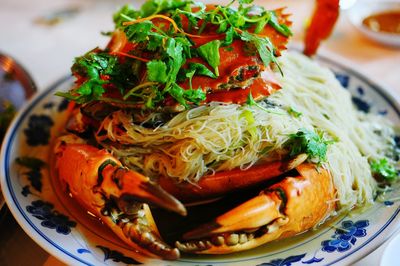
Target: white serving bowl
(363,9)
(390,255)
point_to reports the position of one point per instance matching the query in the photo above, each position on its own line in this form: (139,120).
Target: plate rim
(36,235)
(55,250)
(390,247)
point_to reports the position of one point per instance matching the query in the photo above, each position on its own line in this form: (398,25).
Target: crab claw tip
(134,186)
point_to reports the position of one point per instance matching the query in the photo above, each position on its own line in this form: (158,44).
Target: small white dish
(390,255)
(363,9)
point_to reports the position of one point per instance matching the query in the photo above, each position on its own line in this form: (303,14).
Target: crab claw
(287,208)
(99,171)
(116,195)
(129,186)
(225,182)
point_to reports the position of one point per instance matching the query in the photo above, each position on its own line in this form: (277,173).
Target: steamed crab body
(239,72)
(119,197)
(301,198)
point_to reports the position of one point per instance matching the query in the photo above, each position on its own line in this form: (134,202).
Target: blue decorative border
(43,94)
(385,95)
(12,134)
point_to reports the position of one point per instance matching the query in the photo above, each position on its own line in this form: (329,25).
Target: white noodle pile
(225,136)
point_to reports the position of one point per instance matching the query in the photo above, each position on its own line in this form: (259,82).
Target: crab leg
(324,18)
(116,195)
(227,181)
(287,208)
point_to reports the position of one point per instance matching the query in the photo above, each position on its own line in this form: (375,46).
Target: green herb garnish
(293,112)
(309,142)
(383,169)
(99,69)
(251,102)
(163,40)
(210,53)
(157,71)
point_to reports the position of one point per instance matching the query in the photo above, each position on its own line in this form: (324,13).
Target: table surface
(47,51)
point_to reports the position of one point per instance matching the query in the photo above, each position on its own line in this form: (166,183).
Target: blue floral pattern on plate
(38,131)
(50,218)
(116,256)
(346,236)
(284,262)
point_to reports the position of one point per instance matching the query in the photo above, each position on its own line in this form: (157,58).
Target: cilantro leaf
(177,93)
(126,13)
(281,28)
(251,102)
(307,141)
(194,96)
(183,96)
(223,26)
(260,25)
(293,112)
(152,7)
(193,18)
(167,49)
(174,50)
(138,32)
(230,34)
(155,42)
(97,69)
(383,169)
(92,66)
(210,53)
(157,71)
(263,46)
(236,18)
(201,69)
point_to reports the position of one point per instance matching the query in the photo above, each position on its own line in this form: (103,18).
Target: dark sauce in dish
(387,22)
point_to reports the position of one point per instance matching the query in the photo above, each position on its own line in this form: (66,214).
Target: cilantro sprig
(309,142)
(232,22)
(165,47)
(98,69)
(384,170)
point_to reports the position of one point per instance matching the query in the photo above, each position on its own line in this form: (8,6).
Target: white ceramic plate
(62,229)
(363,9)
(391,254)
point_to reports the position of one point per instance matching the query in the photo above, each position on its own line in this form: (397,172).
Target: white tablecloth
(47,51)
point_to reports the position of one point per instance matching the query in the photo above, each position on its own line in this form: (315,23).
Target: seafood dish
(194,106)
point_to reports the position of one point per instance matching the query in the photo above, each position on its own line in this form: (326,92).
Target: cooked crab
(119,196)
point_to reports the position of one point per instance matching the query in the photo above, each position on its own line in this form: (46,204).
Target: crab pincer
(116,195)
(221,183)
(290,207)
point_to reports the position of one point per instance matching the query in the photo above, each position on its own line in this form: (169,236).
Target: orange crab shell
(235,60)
